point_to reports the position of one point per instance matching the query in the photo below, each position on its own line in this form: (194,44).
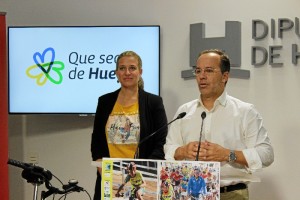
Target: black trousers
(97,194)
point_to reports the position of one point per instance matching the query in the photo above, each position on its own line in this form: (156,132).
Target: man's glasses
(207,71)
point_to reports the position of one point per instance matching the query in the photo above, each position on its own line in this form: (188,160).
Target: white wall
(62,142)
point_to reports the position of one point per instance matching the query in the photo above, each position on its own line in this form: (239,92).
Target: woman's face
(128,72)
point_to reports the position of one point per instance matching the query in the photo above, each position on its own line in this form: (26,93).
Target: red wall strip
(4,192)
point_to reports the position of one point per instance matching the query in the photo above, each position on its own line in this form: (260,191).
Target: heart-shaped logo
(59,66)
(40,59)
(55,75)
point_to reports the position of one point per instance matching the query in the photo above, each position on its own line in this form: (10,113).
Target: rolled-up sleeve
(259,152)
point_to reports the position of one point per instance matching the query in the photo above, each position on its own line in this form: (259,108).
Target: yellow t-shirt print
(123,131)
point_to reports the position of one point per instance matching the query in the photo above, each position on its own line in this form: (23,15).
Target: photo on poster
(127,179)
(189,180)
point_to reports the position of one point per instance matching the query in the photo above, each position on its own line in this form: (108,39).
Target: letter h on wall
(230,44)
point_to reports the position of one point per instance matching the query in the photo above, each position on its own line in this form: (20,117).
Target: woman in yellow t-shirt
(127,116)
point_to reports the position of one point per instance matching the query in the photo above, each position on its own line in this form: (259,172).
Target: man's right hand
(187,152)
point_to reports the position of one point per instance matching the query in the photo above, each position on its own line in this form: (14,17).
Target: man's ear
(225,77)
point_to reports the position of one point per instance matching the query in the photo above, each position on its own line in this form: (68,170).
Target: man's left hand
(213,152)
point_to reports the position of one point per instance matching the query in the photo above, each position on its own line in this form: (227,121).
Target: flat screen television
(63,70)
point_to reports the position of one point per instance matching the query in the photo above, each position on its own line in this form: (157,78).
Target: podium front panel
(159,179)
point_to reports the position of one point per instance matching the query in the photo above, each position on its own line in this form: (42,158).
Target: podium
(162,179)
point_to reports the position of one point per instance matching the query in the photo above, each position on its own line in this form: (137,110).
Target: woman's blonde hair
(135,55)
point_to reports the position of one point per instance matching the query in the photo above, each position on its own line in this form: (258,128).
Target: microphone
(181,115)
(203,115)
(31,169)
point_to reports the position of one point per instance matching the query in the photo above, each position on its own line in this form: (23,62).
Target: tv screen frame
(64,69)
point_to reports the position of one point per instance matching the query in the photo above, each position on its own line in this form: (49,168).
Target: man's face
(196,173)
(211,81)
(131,172)
(165,188)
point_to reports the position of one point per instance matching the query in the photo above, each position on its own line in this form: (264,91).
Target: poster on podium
(159,179)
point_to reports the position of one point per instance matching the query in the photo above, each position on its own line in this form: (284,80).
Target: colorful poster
(156,179)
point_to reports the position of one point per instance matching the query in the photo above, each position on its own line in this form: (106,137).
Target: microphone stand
(136,154)
(203,115)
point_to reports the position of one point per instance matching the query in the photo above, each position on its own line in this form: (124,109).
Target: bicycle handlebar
(71,187)
(31,168)
(31,171)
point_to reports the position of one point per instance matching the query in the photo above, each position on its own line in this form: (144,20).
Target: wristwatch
(232,156)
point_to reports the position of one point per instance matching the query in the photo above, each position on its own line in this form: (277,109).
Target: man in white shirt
(232,130)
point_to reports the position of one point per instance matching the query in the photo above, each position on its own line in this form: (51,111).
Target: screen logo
(46,68)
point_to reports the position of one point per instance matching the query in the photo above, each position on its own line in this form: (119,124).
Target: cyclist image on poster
(137,182)
(164,175)
(167,192)
(176,178)
(196,185)
(183,188)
